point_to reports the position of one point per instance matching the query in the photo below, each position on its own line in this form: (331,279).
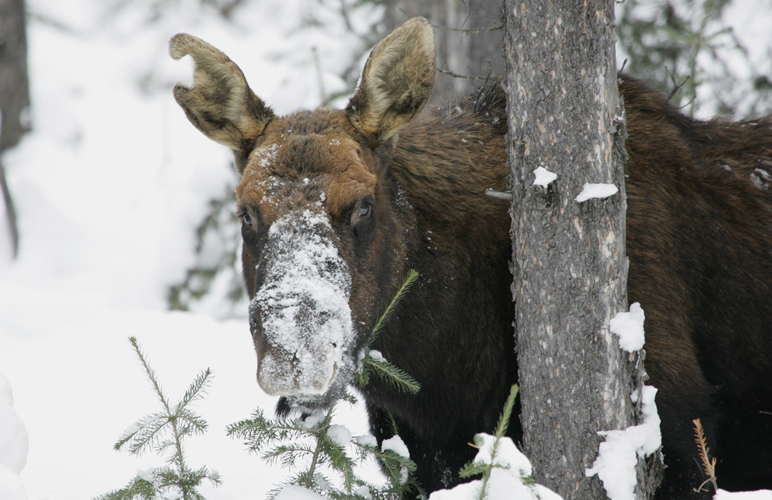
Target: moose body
(338,205)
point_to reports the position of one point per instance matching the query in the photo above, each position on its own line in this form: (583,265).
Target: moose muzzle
(300,317)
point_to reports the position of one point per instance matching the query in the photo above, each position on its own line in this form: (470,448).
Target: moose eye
(363,217)
(246,218)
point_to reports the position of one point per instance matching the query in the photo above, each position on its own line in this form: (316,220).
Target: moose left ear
(220,104)
(397,81)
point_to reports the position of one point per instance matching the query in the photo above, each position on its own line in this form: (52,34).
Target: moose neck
(459,243)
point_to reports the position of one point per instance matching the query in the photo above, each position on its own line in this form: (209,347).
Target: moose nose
(300,316)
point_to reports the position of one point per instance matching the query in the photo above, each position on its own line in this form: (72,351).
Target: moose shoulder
(338,205)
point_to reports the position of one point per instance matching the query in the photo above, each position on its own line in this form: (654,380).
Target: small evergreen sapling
(324,446)
(315,446)
(163,432)
(485,468)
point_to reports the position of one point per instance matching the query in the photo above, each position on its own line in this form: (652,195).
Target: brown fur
(700,247)
(699,241)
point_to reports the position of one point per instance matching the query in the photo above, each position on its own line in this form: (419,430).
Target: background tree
(469,39)
(14,95)
(569,257)
(689,51)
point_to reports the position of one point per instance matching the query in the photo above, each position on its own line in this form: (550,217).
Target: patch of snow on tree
(619,453)
(294,492)
(367,440)
(629,327)
(363,491)
(399,447)
(376,355)
(543,177)
(396,445)
(339,435)
(510,478)
(599,191)
(313,420)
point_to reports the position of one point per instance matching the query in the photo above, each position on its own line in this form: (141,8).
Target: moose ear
(396,82)
(220,104)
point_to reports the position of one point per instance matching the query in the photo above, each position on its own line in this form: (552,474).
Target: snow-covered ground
(109,188)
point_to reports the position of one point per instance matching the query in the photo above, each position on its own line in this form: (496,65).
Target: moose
(337,206)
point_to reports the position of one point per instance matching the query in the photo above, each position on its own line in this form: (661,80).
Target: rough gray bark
(569,258)
(14,93)
(469,39)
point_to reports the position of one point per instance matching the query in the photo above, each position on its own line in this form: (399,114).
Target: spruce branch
(708,464)
(407,284)
(397,377)
(160,432)
(150,374)
(476,468)
(288,441)
(196,391)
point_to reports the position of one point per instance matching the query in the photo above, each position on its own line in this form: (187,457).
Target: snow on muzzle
(300,317)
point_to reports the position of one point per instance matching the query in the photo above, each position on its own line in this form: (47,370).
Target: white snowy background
(109,188)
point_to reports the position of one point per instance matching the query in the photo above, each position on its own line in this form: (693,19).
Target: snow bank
(508,481)
(14,445)
(618,455)
(743,495)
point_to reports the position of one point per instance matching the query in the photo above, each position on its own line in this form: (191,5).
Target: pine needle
(707,463)
(398,378)
(412,275)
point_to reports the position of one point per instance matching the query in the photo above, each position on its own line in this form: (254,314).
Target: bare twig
(676,86)
(456,75)
(10,212)
(472,31)
(320,80)
(499,195)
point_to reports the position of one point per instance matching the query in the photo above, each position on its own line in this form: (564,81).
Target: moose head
(323,228)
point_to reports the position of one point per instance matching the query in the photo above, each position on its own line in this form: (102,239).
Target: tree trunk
(569,258)
(469,40)
(14,94)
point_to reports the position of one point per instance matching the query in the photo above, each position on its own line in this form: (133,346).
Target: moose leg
(683,396)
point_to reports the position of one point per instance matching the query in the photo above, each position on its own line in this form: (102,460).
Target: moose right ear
(396,82)
(220,104)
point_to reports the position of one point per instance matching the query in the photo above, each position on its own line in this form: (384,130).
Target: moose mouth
(300,317)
